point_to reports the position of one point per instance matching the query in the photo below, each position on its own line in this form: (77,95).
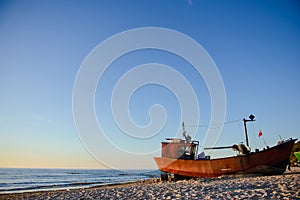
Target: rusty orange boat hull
(271,161)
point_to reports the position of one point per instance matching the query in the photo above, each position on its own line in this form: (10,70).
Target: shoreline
(108,185)
(286,186)
(51,192)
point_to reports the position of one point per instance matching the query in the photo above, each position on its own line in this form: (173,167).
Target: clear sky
(254,44)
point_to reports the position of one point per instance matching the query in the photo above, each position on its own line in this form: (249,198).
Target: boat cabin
(179,149)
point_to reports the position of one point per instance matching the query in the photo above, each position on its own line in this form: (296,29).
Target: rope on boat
(206,125)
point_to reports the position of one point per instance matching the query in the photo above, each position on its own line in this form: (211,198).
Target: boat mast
(251,119)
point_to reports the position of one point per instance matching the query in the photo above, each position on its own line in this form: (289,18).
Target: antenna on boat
(183,129)
(186,136)
(251,119)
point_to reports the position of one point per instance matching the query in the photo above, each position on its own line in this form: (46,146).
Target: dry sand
(228,187)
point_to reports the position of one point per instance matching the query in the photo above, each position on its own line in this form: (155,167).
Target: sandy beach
(228,187)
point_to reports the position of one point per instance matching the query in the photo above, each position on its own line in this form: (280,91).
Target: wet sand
(228,187)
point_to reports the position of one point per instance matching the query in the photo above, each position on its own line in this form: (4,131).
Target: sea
(16,180)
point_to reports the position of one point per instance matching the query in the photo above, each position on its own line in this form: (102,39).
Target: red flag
(260,133)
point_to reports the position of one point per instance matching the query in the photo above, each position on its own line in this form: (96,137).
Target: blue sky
(255,45)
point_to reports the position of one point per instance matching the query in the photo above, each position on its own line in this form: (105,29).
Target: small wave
(73,173)
(122,174)
(86,183)
(51,187)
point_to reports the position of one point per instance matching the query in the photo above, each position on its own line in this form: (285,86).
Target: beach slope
(228,187)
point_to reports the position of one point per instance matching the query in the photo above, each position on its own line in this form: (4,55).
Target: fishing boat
(179,158)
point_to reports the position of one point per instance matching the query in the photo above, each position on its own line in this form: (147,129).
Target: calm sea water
(23,180)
